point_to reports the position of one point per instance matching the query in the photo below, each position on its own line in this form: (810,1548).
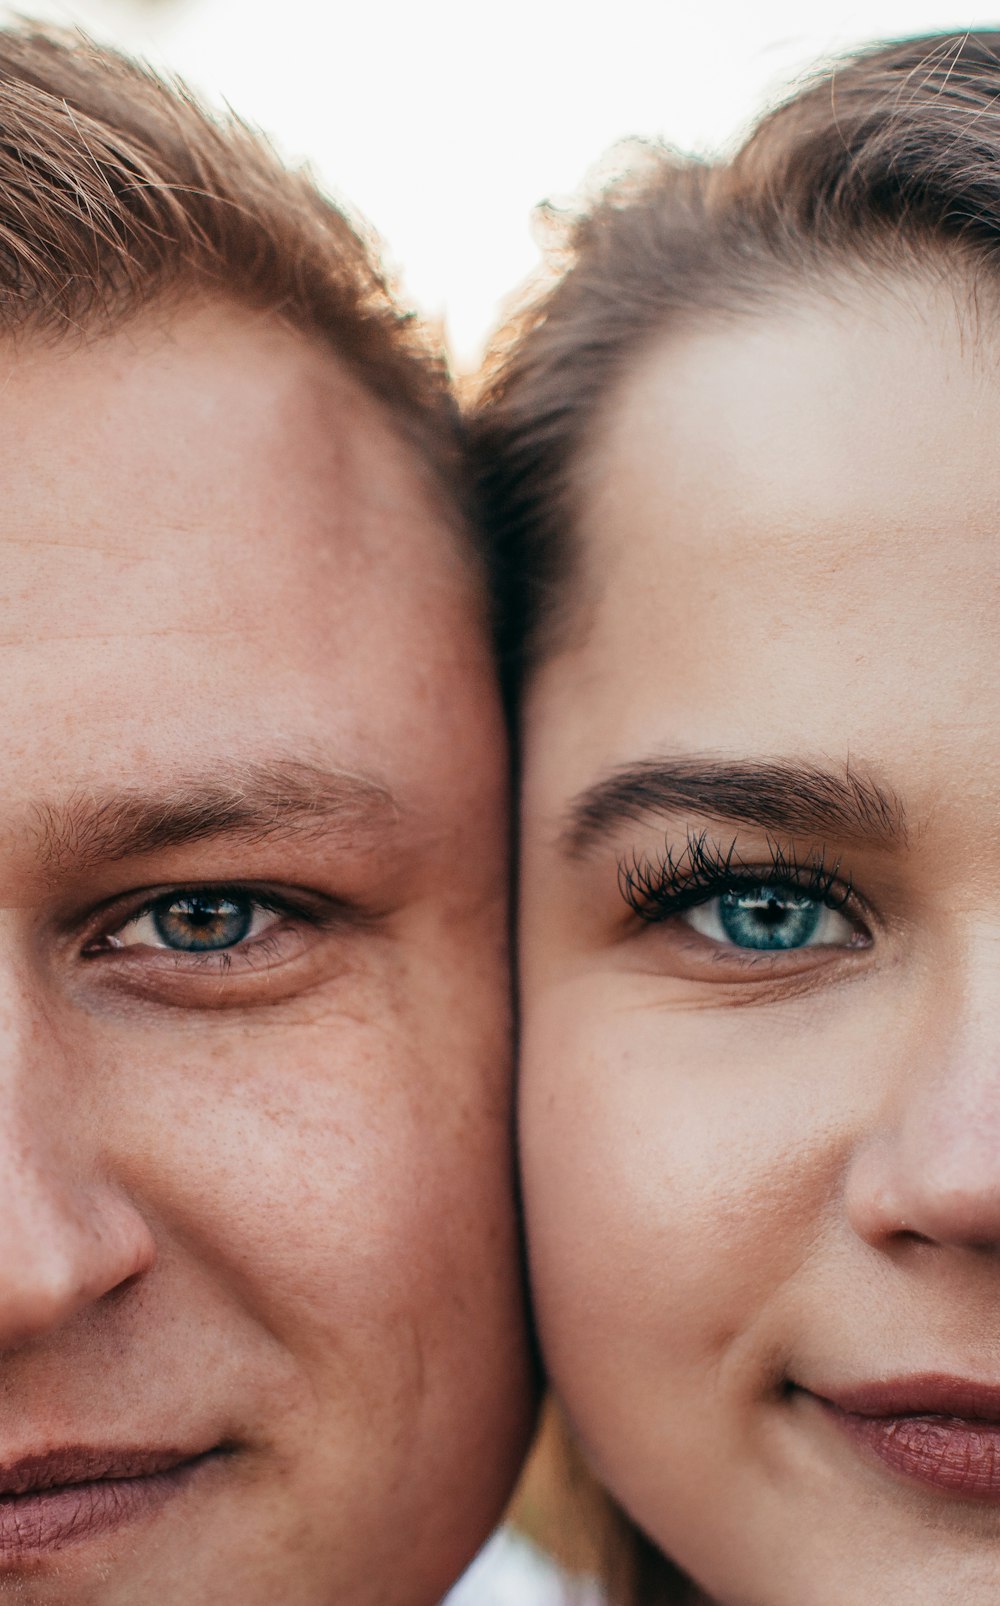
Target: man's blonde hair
(118,190)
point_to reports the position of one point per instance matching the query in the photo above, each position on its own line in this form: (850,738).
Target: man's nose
(69,1235)
(931,1169)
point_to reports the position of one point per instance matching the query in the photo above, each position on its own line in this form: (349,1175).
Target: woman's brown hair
(887,164)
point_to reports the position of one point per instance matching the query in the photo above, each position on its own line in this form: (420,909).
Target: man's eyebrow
(253,801)
(774,795)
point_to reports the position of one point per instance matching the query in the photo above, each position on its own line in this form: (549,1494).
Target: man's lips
(77,1492)
(81,1464)
(934,1429)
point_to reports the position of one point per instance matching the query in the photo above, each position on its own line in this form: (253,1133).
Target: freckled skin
(790,549)
(281,1216)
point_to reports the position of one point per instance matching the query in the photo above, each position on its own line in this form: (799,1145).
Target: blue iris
(769,917)
(200,922)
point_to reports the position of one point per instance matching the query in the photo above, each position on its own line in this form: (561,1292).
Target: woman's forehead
(788,540)
(794,424)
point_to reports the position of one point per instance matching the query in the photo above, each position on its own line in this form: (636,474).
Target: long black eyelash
(667,885)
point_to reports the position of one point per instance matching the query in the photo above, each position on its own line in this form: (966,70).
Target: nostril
(927,1184)
(125,1287)
(61,1252)
(951,1219)
(34,1302)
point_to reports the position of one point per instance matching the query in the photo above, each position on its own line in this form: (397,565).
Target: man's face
(258,1277)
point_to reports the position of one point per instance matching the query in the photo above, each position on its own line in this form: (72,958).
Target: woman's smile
(936,1430)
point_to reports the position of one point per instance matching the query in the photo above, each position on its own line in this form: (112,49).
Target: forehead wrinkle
(253,801)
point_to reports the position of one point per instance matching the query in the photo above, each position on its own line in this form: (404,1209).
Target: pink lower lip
(960,1455)
(44,1520)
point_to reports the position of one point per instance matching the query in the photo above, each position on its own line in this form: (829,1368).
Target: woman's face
(761,957)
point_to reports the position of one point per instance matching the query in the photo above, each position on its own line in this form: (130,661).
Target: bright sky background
(447,121)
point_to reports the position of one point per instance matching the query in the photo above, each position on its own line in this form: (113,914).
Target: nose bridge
(933,1170)
(952,1117)
(66,1235)
(31,1112)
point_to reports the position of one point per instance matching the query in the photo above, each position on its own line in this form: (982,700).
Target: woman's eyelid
(676,878)
(833,895)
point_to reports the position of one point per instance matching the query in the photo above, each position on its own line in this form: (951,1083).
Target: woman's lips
(936,1430)
(76,1493)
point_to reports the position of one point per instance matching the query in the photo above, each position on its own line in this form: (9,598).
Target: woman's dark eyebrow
(774,795)
(254,801)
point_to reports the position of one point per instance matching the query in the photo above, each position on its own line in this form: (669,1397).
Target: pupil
(768,917)
(201,922)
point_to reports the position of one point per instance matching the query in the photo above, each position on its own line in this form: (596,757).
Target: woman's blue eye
(770,919)
(195,922)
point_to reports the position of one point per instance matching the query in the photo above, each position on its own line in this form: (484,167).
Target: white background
(447,122)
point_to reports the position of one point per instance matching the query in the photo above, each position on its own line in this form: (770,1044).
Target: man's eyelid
(257,903)
(258,896)
(114,914)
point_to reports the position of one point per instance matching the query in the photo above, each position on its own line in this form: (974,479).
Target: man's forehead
(198,556)
(213,444)
(201,402)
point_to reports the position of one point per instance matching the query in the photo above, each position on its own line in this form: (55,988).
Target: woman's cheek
(678,1169)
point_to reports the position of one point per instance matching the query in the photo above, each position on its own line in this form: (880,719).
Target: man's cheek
(276,1151)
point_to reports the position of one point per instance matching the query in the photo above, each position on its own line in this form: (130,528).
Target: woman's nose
(931,1170)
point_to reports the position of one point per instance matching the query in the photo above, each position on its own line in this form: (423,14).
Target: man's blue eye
(770,919)
(199,922)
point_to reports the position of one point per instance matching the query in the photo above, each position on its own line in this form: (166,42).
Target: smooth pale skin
(737,1176)
(267,1204)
